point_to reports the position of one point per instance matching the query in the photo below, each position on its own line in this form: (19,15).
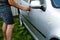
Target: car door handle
(38,7)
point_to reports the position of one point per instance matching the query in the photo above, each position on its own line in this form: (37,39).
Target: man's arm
(13,3)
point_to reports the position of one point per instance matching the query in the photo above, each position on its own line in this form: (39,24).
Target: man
(6,15)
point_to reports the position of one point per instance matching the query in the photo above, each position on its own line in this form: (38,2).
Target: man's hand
(26,8)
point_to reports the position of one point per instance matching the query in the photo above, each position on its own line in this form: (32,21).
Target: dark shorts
(6,14)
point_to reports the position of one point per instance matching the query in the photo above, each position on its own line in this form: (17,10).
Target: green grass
(19,32)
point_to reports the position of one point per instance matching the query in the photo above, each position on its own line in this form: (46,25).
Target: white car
(43,20)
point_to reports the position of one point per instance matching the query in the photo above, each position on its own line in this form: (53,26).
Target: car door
(35,17)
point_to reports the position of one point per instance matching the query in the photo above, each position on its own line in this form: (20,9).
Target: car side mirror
(42,8)
(37,5)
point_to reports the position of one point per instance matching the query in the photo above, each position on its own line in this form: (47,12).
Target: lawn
(19,32)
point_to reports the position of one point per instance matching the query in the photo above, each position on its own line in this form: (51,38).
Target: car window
(34,0)
(42,1)
(55,3)
(26,0)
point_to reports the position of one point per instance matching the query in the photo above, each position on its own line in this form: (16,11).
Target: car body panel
(47,22)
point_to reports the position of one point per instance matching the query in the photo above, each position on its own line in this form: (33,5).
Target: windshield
(56,3)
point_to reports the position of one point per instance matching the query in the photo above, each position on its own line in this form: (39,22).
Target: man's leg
(9,31)
(7,17)
(4,28)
